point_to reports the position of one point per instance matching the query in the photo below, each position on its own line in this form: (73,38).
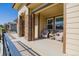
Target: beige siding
(43,23)
(72,29)
(71,5)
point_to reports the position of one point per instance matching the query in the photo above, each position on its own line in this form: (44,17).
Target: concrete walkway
(44,47)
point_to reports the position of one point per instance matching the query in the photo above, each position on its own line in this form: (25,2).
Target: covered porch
(39,15)
(44,47)
(46,21)
(38,21)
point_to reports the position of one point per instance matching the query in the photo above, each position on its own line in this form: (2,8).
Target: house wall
(24,9)
(13,27)
(36,26)
(72,29)
(43,23)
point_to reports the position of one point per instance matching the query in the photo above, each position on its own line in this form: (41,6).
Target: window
(50,24)
(59,23)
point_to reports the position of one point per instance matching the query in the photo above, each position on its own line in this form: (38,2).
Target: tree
(1,26)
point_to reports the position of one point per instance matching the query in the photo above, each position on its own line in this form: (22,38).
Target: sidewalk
(44,47)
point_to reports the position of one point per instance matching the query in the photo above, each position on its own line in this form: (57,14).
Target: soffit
(53,11)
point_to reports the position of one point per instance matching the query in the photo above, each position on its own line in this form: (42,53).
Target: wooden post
(39,25)
(64,37)
(33,26)
(29,25)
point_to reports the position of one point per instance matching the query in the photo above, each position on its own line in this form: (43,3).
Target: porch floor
(44,47)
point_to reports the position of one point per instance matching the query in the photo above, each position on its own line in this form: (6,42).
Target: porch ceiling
(53,11)
(34,5)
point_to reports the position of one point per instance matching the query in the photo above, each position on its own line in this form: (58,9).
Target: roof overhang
(17,6)
(43,7)
(33,5)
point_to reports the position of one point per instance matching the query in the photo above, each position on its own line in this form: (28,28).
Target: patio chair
(52,36)
(59,36)
(44,34)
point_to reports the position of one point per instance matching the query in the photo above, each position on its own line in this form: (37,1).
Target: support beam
(39,25)
(33,26)
(43,7)
(29,25)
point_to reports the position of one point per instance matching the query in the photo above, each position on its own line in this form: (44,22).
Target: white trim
(58,17)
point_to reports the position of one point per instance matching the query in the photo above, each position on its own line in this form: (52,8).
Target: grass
(1,29)
(0,32)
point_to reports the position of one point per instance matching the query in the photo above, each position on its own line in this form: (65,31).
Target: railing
(9,48)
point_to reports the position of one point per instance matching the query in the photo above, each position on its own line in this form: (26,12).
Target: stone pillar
(20,26)
(19,22)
